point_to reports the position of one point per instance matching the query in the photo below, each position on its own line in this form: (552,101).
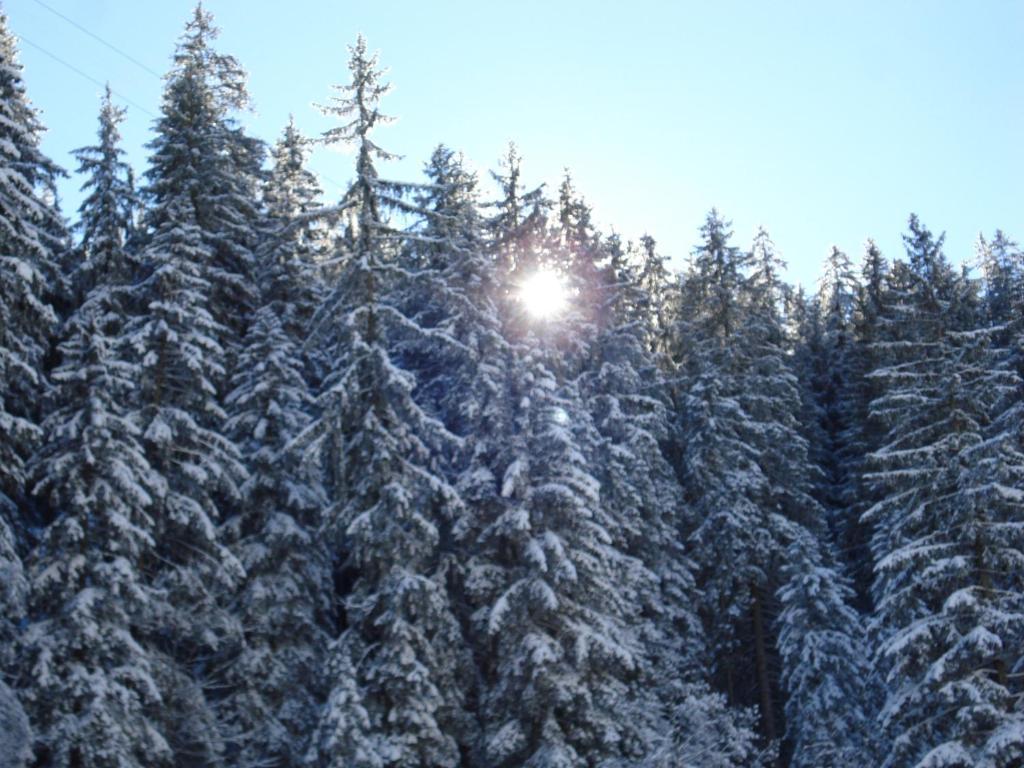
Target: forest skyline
(441,476)
(824,126)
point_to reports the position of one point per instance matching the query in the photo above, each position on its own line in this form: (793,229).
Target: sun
(543,293)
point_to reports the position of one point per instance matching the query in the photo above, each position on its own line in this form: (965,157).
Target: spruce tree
(106,217)
(203,160)
(723,479)
(627,398)
(830,697)
(32,243)
(275,682)
(15,731)
(294,237)
(400,640)
(870,328)
(516,228)
(276,686)
(191,283)
(89,677)
(555,615)
(947,525)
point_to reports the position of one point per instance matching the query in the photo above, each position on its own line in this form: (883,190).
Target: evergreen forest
(289,481)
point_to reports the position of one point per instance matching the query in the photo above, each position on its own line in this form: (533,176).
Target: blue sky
(825,122)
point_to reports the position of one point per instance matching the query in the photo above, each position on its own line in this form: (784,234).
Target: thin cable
(90,78)
(337,184)
(99,39)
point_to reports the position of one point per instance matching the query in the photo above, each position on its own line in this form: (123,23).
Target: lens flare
(543,294)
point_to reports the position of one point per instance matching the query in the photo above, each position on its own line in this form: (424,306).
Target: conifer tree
(193,276)
(32,242)
(870,329)
(561,645)
(294,239)
(834,390)
(15,731)
(708,732)
(517,226)
(202,160)
(1002,266)
(724,481)
(946,526)
(106,217)
(276,678)
(825,666)
(400,638)
(89,678)
(627,398)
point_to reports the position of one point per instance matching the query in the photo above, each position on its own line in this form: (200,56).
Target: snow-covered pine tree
(626,396)
(294,239)
(396,702)
(175,403)
(15,731)
(772,397)
(707,732)
(202,158)
(839,461)
(825,661)
(948,539)
(771,394)
(88,676)
(32,241)
(463,378)
(194,274)
(1001,261)
(723,480)
(284,604)
(275,681)
(517,226)
(870,327)
(560,647)
(658,286)
(106,217)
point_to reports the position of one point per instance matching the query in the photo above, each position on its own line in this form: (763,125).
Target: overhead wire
(87,76)
(100,40)
(141,65)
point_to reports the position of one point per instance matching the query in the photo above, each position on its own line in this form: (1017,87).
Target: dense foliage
(287,482)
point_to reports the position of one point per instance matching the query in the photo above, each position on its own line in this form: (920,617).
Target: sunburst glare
(543,293)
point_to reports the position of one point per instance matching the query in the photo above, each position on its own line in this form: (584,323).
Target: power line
(88,77)
(100,40)
(127,56)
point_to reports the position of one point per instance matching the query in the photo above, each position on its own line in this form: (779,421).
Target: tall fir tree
(89,677)
(189,297)
(628,399)
(517,226)
(560,641)
(723,479)
(947,525)
(276,689)
(294,236)
(32,242)
(395,702)
(107,215)
(830,688)
(203,160)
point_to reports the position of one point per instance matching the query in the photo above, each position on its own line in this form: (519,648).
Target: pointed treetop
(358,102)
(195,59)
(923,248)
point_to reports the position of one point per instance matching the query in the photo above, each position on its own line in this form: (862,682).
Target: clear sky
(825,122)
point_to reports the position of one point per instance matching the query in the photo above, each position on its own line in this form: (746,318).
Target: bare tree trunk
(761,662)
